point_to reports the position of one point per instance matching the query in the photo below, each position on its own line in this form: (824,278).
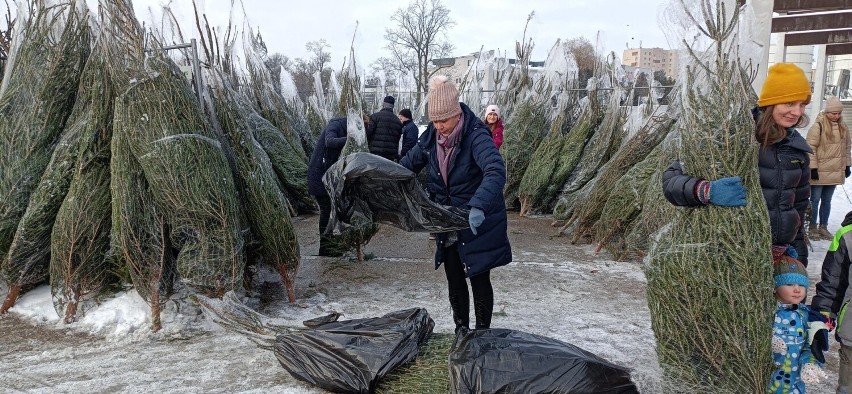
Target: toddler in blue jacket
(796,365)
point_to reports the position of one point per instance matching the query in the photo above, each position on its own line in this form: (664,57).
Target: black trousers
(325,211)
(483,293)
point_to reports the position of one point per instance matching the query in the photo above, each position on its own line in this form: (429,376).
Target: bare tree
(586,57)
(274,63)
(419,37)
(321,57)
(386,69)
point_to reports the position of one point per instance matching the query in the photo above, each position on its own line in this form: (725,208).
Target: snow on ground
(552,288)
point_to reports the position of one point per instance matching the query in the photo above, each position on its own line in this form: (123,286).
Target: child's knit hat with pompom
(790,271)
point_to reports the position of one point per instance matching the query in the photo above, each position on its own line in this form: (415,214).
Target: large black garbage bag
(351,356)
(508,361)
(367,188)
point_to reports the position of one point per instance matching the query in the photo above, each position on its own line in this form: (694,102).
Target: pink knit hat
(833,105)
(492,108)
(443,98)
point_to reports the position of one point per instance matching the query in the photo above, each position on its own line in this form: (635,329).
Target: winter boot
(824,233)
(813,232)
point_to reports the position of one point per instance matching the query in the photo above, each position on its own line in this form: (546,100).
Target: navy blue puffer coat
(327,150)
(784,179)
(476,178)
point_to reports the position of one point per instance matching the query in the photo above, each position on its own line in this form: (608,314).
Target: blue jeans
(821,203)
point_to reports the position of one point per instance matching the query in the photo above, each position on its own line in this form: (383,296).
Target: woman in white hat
(830,141)
(495,124)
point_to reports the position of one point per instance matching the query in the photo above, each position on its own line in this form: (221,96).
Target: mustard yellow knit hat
(785,83)
(443,98)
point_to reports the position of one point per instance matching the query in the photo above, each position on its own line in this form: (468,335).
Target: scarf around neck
(446,147)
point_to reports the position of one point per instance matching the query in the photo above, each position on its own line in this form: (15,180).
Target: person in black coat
(326,152)
(410,133)
(464,169)
(384,131)
(783,163)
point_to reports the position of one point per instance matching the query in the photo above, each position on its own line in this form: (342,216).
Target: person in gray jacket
(832,298)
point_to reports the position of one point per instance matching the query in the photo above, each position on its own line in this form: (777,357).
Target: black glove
(847,172)
(819,324)
(815,174)
(819,345)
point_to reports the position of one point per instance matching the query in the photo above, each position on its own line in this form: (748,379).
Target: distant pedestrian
(326,152)
(830,141)
(495,124)
(384,131)
(409,131)
(464,170)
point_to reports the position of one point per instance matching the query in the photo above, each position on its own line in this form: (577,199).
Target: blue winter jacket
(791,325)
(476,178)
(327,150)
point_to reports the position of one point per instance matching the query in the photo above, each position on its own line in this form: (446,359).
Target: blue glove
(728,192)
(475,219)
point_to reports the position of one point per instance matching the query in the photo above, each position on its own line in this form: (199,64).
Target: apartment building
(656,59)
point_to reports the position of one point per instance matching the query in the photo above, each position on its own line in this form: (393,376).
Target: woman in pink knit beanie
(464,170)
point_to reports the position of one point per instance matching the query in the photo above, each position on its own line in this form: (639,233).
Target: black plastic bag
(508,361)
(351,356)
(366,188)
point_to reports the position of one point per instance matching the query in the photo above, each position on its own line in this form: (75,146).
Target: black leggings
(483,293)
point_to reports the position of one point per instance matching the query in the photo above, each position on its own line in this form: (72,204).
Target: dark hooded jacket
(476,178)
(832,291)
(409,136)
(326,151)
(383,133)
(784,179)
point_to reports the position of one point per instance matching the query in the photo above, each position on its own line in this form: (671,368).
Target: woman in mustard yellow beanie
(783,163)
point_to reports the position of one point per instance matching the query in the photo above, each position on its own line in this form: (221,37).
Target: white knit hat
(443,98)
(492,108)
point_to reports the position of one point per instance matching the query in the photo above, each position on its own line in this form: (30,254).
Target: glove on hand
(812,373)
(822,316)
(778,345)
(818,338)
(847,172)
(818,334)
(728,192)
(814,174)
(475,219)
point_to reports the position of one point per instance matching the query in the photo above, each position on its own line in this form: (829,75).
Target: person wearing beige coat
(831,144)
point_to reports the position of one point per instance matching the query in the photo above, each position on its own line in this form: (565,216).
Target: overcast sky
(495,24)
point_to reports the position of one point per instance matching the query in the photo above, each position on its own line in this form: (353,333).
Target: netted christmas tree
(79,243)
(36,98)
(710,275)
